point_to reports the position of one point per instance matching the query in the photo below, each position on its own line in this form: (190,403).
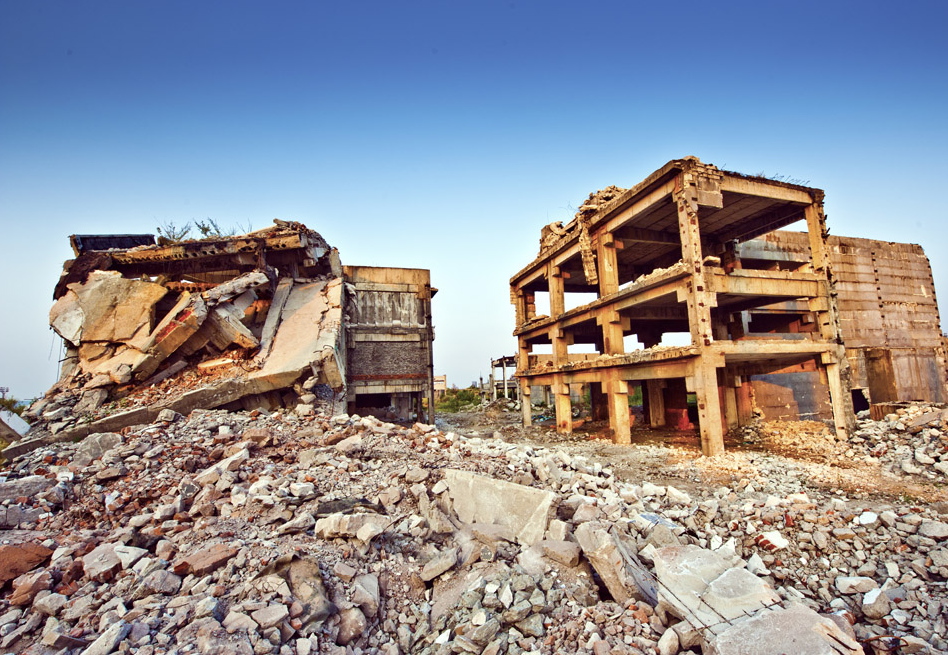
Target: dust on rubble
(256,532)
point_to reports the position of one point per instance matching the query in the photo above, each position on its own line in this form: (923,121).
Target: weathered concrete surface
(796,629)
(31,485)
(107,307)
(94,446)
(479,499)
(309,337)
(184,319)
(684,574)
(605,553)
(12,427)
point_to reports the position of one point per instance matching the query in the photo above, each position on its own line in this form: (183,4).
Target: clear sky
(444,135)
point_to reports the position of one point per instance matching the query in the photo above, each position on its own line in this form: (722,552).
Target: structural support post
(608,265)
(656,403)
(564,411)
(557,291)
(709,409)
(618,393)
(841,400)
(597,398)
(844,418)
(699,301)
(525,404)
(503,365)
(617,390)
(731,414)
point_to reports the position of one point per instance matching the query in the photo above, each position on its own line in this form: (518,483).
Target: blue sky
(444,135)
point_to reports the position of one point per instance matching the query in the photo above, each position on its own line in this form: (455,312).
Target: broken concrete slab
(621,575)
(479,499)
(796,629)
(309,336)
(107,308)
(182,321)
(32,485)
(12,427)
(94,446)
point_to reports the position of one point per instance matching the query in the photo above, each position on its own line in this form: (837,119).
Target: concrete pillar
(564,410)
(608,265)
(656,402)
(557,291)
(525,405)
(503,365)
(841,400)
(732,416)
(619,421)
(676,405)
(709,410)
(597,398)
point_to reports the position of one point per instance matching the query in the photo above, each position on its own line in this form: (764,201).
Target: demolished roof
(197,324)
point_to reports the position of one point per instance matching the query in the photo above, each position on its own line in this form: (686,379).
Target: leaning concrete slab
(309,335)
(12,427)
(480,499)
(609,556)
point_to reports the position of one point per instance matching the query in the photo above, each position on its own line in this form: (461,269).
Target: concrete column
(699,301)
(676,405)
(618,393)
(525,406)
(503,365)
(597,398)
(731,415)
(608,265)
(564,410)
(841,400)
(656,402)
(557,291)
(709,410)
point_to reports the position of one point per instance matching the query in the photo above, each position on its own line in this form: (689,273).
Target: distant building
(440,385)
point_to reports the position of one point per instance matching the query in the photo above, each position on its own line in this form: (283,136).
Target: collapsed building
(776,323)
(265,320)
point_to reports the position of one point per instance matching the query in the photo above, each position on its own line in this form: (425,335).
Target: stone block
(480,499)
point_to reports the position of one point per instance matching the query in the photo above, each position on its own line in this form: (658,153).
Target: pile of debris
(239,322)
(911,442)
(250,532)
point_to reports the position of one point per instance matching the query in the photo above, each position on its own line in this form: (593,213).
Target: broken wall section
(889,323)
(389,341)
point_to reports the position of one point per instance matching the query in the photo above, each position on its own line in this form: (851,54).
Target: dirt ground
(803,451)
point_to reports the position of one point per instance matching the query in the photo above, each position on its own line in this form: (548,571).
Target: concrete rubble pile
(239,322)
(256,532)
(910,444)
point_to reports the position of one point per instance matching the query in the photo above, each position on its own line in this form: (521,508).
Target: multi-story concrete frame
(660,258)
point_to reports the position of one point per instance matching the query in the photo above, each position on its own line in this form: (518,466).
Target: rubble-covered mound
(231,322)
(251,532)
